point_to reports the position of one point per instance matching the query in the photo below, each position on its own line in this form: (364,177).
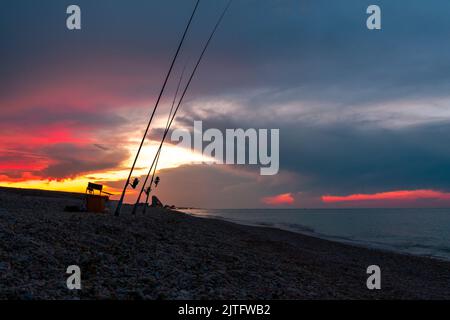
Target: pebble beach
(166,254)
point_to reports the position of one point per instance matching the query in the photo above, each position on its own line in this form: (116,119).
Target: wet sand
(170,255)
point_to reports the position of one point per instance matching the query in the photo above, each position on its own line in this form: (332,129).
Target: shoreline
(313,234)
(172,255)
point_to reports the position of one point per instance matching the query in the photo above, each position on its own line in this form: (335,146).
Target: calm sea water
(415,231)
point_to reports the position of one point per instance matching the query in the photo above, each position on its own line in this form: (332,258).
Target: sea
(423,232)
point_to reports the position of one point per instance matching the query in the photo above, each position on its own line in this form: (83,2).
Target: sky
(363,114)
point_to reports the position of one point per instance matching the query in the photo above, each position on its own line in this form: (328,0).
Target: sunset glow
(171,157)
(281,199)
(401,195)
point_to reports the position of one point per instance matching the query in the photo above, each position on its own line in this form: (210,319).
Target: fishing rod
(147,191)
(183,94)
(134,184)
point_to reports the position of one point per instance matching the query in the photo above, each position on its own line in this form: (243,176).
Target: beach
(166,254)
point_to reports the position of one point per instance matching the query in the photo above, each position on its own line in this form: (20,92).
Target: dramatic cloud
(68,160)
(359,111)
(59,161)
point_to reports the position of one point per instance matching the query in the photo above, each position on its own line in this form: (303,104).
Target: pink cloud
(399,195)
(281,199)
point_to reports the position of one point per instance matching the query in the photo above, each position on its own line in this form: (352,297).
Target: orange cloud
(284,198)
(402,195)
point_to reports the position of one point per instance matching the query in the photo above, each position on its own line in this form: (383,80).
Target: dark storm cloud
(321,51)
(341,159)
(69,160)
(320,48)
(310,50)
(345,160)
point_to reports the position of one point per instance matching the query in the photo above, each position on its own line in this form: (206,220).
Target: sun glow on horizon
(171,157)
(399,195)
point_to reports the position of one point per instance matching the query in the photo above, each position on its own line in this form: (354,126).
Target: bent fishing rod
(181,98)
(119,205)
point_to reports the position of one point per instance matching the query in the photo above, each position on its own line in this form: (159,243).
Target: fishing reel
(134,183)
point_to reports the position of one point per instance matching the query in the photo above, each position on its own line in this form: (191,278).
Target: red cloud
(284,198)
(402,195)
